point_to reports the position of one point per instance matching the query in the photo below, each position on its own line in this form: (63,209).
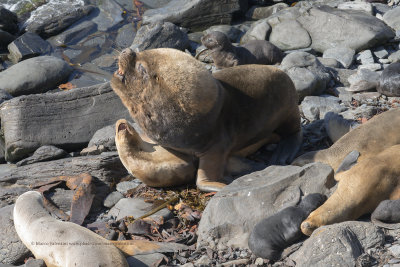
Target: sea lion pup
(181,106)
(275,233)
(226,55)
(370,138)
(389,82)
(360,190)
(60,243)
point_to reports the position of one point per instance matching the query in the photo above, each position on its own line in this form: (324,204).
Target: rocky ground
(58,110)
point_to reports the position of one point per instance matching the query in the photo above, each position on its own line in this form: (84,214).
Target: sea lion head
(216,40)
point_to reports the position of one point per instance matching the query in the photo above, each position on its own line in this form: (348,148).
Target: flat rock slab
(11,248)
(338,244)
(233,212)
(26,46)
(196,14)
(136,207)
(34,75)
(67,119)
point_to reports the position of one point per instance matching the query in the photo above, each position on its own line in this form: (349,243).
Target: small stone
(381,52)
(384,61)
(395,250)
(394,57)
(315,107)
(365,57)
(363,74)
(93,150)
(372,67)
(344,55)
(112,199)
(26,46)
(124,187)
(362,97)
(330,62)
(259,261)
(44,153)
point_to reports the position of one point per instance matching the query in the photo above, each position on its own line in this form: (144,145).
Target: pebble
(112,199)
(373,66)
(365,57)
(124,187)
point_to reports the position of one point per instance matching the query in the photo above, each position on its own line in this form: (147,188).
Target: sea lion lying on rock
(360,189)
(181,106)
(369,139)
(226,55)
(273,234)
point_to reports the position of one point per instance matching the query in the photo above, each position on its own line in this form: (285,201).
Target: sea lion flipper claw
(348,161)
(287,149)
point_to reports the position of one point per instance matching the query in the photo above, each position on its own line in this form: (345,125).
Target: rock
(392,18)
(338,244)
(112,199)
(93,150)
(362,85)
(4,96)
(365,57)
(309,76)
(232,32)
(330,62)
(362,111)
(158,35)
(363,75)
(105,137)
(125,36)
(366,97)
(52,18)
(360,6)
(44,153)
(371,67)
(259,30)
(107,168)
(346,28)
(35,263)
(75,34)
(45,73)
(233,212)
(344,55)
(395,250)
(109,16)
(8,21)
(196,14)
(136,208)
(5,39)
(381,52)
(124,187)
(395,57)
(258,12)
(152,259)
(315,107)
(342,75)
(26,46)
(12,250)
(285,14)
(61,197)
(203,261)
(290,35)
(66,119)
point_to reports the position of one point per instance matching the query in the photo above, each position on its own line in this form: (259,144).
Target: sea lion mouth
(122,127)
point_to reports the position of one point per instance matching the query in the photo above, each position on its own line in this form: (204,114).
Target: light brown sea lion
(360,190)
(370,138)
(181,106)
(226,55)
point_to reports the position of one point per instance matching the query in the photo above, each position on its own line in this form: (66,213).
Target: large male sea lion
(226,55)
(183,107)
(370,138)
(360,189)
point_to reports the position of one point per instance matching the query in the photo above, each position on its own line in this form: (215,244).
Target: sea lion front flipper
(287,149)
(336,126)
(348,161)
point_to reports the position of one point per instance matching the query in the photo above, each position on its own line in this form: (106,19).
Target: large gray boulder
(34,75)
(330,27)
(196,14)
(233,212)
(259,30)
(338,244)
(392,18)
(67,119)
(289,35)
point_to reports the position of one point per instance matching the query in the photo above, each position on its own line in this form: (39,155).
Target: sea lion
(370,138)
(273,234)
(226,55)
(181,106)
(60,243)
(359,190)
(389,82)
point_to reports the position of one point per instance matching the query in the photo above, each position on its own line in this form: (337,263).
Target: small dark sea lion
(226,55)
(389,82)
(273,234)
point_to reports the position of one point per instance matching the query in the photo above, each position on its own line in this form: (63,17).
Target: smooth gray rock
(232,32)
(338,244)
(196,14)
(290,35)
(112,199)
(233,212)
(136,207)
(262,12)
(371,66)
(363,75)
(259,30)
(26,46)
(124,187)
(5,39)
(104,136)
(75,34)
(342,75)
(330,62)
(44,153)
(392,18)
(360,6)
(125,36)
(157,35)
(347,28)
(365,57)
(8,20)
(12,250)
(52,18)
(34,75)
(66,119)
(395,57)
(61,197)
(344,55)
(110,15)
(309,76)
(315,107)
(381,52)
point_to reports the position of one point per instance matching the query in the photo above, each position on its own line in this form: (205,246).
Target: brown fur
(360,190)
(184,108)
(371,138)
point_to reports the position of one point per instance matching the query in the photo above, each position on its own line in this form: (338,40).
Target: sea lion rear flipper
(287,149)
(348,161)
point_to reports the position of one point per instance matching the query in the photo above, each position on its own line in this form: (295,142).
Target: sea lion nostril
(122,126)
